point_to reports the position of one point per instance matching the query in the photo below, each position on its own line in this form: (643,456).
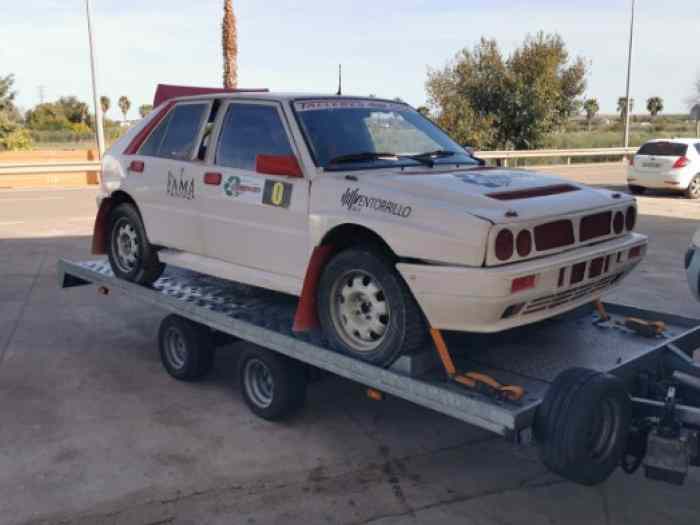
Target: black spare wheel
(365,308)
(583,424)
(130,254)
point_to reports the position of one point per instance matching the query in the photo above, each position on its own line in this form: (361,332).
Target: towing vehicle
(380,223)
(598,388)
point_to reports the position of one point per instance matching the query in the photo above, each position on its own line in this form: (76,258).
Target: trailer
(597,389)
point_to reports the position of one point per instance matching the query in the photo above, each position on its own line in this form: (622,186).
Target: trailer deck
(530,357)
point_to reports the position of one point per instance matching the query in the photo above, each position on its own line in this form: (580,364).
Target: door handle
(212,179)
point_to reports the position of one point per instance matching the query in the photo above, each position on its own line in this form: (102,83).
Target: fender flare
(99,231)
(306,316)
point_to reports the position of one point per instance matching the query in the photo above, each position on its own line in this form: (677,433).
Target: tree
(145,109)
(424,110)
(7,96)
(124,105)
(49,116)
(591,107)
(229,37)
(655,105)
(105,104)
(622,107)
(495,102)
(75,111)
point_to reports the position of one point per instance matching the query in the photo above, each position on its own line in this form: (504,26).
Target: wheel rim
(258,382)
(695,186)
(175,348)
(360,311)
(125,245)
(604,431)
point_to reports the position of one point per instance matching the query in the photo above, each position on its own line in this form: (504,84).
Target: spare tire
(583,424)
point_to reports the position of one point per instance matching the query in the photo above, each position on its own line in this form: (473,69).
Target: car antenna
(340,80)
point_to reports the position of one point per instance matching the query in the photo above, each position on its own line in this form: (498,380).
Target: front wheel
(693,191)
(130,254)
(366,310)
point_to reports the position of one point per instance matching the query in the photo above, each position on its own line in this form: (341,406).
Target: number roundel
(277,197)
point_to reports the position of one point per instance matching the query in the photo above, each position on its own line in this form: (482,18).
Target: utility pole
(629,76)
(42,93)
(99,129)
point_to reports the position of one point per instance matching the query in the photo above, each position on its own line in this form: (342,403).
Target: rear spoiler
(165,92)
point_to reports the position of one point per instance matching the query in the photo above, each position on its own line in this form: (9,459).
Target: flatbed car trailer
(597,394)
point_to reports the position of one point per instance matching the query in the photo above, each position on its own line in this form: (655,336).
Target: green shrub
(17,140)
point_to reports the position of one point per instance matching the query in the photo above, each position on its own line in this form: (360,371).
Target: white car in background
(669,164)
(363,208)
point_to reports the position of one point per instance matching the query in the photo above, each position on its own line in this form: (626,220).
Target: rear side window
(176,137)
(250,130)
(663,149)
(697,147)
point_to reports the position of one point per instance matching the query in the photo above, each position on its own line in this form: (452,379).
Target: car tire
(582,425)
(637,190)
(273,386)
(693,190)
(365,308)
(186,348)
(130,254)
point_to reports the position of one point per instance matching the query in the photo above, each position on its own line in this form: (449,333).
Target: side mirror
(284,165)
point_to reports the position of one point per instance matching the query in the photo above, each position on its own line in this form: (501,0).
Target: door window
(250,130)
(176,137)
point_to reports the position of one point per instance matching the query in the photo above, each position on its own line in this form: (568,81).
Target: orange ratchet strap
(474,380)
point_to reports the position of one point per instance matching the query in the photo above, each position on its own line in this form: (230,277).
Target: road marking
(46,190)
(11,223)
(81,219)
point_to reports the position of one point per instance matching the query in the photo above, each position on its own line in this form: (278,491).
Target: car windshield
(366,133)
(663,149)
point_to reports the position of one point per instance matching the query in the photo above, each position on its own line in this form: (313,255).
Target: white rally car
(374,217)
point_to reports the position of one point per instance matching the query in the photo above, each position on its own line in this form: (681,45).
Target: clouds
(296,45)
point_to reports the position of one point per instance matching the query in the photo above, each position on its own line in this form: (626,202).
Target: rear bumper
(669,180)
(480,299)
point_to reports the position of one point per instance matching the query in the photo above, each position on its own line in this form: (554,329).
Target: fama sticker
(353,200)
(180,186)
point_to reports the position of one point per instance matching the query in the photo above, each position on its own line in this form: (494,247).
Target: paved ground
(93,431)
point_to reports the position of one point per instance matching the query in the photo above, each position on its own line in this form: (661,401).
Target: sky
(385,46)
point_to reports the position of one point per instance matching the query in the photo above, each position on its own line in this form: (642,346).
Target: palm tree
(655,105)
(124,105)
(229,37)
(622,107)
(105,103)
(145,110)
(591,107)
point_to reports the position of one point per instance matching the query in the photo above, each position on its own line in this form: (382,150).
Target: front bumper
(481,300)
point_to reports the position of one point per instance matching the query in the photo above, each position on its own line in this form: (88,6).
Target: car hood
(501,196)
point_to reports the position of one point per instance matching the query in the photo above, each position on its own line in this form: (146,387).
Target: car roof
(678,140)
(282,96)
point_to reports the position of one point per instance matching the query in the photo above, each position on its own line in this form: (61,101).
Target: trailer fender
(99,233)
(306,316)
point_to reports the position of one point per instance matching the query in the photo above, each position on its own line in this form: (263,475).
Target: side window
(250,130)
(697,147)
(175,137)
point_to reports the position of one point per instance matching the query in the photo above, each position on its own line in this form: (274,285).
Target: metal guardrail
(503,156)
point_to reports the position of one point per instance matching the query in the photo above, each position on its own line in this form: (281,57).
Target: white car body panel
(441,222)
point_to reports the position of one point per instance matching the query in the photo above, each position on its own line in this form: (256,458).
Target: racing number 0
(277,193)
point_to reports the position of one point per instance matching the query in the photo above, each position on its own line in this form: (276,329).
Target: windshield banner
(325,104)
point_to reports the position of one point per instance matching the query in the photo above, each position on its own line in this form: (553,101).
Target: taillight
(681,163)
(505,245)
(631,162)
(136,166)
(636,252)
(631,218)
(619,223)
(524,243)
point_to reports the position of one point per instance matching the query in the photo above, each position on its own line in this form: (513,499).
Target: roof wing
(165,92)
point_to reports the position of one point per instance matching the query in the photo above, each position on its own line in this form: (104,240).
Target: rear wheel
(273,386)
(365,308)
(693,191)
(637,190)
(186,348)
(130,254)
(583,424)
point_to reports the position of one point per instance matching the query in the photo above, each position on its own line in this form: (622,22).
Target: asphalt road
(93,431)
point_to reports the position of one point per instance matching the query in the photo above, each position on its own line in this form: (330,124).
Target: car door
(167,189)
(253,219)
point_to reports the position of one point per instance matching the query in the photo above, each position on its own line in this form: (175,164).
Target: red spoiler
(165,92)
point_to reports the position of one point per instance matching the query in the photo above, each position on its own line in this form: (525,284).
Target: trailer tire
(583,424)
(272,385)
(186,348)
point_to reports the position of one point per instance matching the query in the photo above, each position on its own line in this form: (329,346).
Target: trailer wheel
(583,424)
(186,348)
(273,386)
